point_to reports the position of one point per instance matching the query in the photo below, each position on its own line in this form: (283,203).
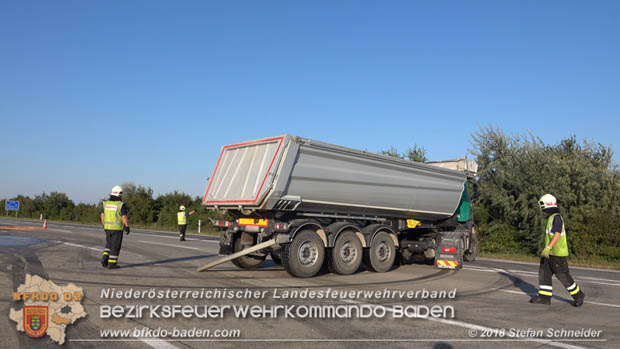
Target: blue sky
(93,94)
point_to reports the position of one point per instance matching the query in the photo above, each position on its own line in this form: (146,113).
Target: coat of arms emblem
(35,320)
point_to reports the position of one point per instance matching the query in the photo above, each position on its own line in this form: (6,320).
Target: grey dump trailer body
(306,202)
(291,173)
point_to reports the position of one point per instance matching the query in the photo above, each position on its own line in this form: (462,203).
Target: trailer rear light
(225,224)
(448,250)
(280,226)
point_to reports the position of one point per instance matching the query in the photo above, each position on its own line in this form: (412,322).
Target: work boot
(579,299)
(182,239)
(113,266)
(104,262)
(541,300)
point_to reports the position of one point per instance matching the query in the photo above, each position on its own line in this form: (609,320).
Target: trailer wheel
(275,258)
(474,248)
(346,255)
(247,261)
(304,256)
(381,254)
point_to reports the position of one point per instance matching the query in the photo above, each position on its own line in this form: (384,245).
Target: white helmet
(117,191)
(547,201)
(181,208)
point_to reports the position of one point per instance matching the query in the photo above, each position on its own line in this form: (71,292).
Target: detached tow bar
(241,253)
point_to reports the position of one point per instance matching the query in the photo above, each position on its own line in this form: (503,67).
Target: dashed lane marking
(158,343)
(532,263)
(176,238)
(61,230)
(535,275)
(170,245)
(82,246)
(589,302)
(480,328)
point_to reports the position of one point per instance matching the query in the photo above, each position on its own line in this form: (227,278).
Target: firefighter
(182,219)
(553,257)
(113,218)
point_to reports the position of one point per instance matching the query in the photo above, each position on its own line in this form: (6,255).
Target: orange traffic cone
(45,224)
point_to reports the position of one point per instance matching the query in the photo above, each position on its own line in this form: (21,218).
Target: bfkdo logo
(36,318)
(46,308)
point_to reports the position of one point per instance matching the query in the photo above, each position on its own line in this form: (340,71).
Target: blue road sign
(11,206)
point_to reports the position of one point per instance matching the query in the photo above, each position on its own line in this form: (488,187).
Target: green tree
(514,171)
(168,206)
(57,206)
(140,203)
(415,153)
(393,152)
(87,213)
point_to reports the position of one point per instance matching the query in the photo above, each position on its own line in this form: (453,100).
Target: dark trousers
(182,228)
(558,266)
(113,241)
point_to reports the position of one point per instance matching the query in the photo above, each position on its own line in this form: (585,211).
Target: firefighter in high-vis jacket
(182,220)
(553,257)
(114,220)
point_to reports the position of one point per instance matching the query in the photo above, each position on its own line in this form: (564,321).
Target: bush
(515,171)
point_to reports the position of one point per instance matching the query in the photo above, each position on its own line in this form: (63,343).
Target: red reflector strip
(448,250)
(223,224)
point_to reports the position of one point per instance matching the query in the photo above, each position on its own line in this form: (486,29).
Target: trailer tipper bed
(307,203)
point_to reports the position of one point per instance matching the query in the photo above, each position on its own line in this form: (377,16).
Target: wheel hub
(383,252)
(348,252)
(308,253)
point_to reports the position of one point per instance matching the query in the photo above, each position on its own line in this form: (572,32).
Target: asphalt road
(491,296)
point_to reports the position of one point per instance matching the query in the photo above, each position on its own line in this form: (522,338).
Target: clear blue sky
(96,93)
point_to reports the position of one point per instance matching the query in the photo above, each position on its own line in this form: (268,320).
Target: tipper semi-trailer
(310,204)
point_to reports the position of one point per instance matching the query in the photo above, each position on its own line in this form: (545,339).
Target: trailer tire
(346,255)
(303,257)
(474,249)
(247,261)
(276,259)
(381,254)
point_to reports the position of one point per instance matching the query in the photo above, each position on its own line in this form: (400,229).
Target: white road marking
(169,245)
(176,238)
(76,245)
(484,328)
(336,340)
(60,230)
(481,328)
(532,263)
(158,343)
(535,275)
(589,302)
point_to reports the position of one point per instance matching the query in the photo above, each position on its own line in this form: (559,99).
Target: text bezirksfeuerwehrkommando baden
(289,311)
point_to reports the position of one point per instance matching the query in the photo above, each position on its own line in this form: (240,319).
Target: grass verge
(590,262)
(206,230)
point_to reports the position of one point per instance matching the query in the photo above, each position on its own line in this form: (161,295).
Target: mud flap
(449,252)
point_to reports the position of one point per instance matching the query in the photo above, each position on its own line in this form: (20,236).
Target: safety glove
(545,252)
(127,230)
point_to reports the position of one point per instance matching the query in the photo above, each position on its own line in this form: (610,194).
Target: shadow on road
(528,288)
(172,260)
